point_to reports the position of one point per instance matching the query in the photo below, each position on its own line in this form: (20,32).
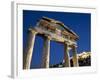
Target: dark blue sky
(80,23)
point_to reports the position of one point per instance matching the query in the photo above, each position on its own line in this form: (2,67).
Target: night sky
(80,23)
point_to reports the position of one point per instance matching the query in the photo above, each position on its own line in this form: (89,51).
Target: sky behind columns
(80,23)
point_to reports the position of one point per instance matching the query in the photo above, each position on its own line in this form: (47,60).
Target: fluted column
(46,52)
(29,49)
(66,56)
(75,57)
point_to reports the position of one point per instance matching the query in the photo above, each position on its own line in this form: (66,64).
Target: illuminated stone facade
(55,30)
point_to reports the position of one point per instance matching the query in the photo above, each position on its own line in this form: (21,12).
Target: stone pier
(46,52)
(29,49)
(66,56)
(75,57)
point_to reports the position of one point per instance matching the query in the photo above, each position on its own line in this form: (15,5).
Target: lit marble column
(75,57)
(66,56)
(29,49)
(46,52)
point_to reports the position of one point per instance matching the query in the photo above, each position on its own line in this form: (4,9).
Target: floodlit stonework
(51,29)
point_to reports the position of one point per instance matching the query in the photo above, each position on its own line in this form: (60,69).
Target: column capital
(32,30)
(48,36)
(66,42)
(74,46)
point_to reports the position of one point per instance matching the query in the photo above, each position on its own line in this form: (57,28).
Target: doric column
(46,52)
(75,57)
(29,49)
(66,55)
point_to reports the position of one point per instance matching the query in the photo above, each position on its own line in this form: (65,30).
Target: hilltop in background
(84,59)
